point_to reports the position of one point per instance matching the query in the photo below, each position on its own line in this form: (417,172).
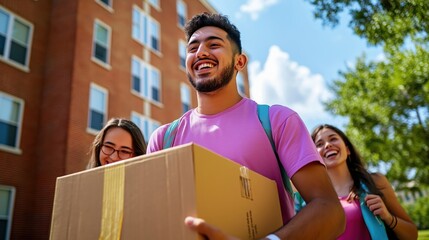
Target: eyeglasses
(122,153)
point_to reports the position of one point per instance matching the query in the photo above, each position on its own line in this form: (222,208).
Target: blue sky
(293,57)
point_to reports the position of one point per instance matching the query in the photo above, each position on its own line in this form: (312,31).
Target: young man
(228,124)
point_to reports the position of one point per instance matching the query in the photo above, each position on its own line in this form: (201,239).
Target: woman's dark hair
(139,144)
(354,162)
(215,20)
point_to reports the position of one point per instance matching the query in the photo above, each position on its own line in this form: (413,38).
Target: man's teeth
(205,65)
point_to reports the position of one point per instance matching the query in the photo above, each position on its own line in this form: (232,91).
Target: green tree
(381,22)
(419,212)
(386,102)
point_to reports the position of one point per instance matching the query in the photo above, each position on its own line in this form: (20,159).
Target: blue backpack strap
(264,118)
(374,223)
(170,134)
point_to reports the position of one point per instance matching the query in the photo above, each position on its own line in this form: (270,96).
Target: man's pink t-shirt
(237,134)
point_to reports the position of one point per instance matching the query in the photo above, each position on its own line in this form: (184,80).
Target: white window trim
(152,124)
(156,6)
(149,19)
(186,13)
(11,207)
(15,150)
(109,44)
(150,83)
(240,81)
(106,92)
(183,85)
(26,67)
(183,43)
(105,6)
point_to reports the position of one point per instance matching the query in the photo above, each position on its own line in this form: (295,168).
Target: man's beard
(210,85)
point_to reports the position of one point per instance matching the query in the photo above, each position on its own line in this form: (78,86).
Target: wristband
(273,237)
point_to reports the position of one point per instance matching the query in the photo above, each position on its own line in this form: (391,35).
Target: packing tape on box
(246,188)
(113,202)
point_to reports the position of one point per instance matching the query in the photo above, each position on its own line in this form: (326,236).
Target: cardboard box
(148,197)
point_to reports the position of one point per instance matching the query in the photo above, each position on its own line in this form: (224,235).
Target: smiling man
(228,124)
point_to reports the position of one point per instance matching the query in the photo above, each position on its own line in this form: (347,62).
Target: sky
(292,57)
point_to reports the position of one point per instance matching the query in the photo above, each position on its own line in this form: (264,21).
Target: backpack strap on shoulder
(170,134)
(264,118)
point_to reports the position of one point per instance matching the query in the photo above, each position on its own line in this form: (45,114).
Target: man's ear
(240,62)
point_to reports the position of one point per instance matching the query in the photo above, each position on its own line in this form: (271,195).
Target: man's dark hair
(215,20)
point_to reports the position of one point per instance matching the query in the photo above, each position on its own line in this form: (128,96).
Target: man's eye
(192,49)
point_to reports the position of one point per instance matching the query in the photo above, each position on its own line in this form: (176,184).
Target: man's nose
(202,51)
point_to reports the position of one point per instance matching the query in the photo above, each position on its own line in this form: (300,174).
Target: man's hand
(207,230)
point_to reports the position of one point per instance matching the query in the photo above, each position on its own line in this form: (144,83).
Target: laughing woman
(364,196)
(119,139)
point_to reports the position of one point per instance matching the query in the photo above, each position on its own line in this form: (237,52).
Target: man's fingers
(205,229)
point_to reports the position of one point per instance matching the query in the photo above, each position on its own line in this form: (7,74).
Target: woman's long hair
(354,163)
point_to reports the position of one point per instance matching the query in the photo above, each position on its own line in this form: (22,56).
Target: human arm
(322,217)
(388,207)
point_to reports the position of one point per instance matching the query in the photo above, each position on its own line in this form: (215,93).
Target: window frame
(9,37)
(11,206)
(155,3)
(180,4)
(146,82)
(108,46)
(108,6)
(182,51)
(105,93)
(240,84)
(16,148)
(146,124)
(185,97)
(142,31)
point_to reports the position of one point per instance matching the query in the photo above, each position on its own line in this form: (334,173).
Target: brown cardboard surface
(159,190)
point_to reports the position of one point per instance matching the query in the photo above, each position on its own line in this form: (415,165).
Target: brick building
(66,67)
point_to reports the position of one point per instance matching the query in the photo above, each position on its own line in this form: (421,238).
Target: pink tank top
(355,225)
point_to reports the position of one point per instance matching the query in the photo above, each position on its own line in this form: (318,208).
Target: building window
(15,39)
(181,13)
(146,80)
(10,121)
(146,30)
(146,125)
(240,85)
(107,3)
(101,42)
(185,95)
(182,53)
(7,200)
(97,107)
(154,3)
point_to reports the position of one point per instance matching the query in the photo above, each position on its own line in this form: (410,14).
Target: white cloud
(254,7)
(283,81)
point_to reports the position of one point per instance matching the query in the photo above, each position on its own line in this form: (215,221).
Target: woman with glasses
(118,140)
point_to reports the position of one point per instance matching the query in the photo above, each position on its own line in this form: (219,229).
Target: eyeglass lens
(122,154)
